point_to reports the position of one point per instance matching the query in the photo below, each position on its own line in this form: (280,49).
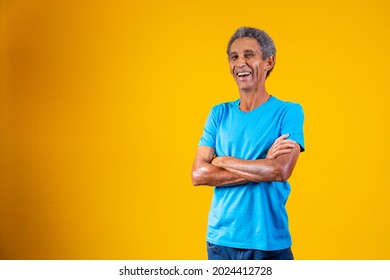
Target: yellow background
(102,105)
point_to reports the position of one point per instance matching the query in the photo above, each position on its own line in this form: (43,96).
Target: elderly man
(248,150)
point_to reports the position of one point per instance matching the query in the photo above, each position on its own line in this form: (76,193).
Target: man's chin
(244,88)
(244,85)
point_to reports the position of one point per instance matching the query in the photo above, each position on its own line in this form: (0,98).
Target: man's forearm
(261,170)
(211,175)
(253,170)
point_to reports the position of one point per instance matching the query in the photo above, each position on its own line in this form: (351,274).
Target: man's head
(265,42)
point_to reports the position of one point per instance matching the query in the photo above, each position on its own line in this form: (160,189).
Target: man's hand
(218,160)
(281,147)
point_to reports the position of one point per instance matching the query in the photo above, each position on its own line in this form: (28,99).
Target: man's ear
(270,63)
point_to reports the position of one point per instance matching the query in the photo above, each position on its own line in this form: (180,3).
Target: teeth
(243,74)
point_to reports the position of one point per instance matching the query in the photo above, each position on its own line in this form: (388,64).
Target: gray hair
(267,45)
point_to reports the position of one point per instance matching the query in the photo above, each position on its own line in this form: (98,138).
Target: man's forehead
(244,51)
(245,44)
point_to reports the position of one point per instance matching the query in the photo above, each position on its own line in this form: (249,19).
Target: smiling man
(248,150)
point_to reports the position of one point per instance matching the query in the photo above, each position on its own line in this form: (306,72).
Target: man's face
(247,65)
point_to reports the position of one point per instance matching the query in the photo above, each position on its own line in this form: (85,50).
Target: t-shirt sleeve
(293,124)
(210,129)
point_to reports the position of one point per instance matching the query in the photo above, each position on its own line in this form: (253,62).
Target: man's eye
(234,57)
(249,55)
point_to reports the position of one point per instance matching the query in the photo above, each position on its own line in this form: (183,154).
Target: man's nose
(241,61)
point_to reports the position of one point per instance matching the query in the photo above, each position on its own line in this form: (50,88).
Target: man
(248,150)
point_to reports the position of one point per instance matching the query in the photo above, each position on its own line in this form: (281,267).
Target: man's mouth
(243,74)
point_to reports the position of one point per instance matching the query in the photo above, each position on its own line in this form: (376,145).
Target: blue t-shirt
(251,215)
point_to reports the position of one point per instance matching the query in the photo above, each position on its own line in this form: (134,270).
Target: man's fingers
(288,141)
(281,152)
(282,142)
(281,146)
(284,136)
(284,145)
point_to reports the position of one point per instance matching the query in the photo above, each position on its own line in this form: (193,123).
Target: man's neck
(250,100)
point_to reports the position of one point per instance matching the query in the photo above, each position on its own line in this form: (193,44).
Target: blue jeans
(217,252)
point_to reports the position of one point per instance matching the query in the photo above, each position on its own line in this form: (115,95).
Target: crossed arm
(229,171)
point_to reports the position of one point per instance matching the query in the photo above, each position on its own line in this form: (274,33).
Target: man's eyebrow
(245,51)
